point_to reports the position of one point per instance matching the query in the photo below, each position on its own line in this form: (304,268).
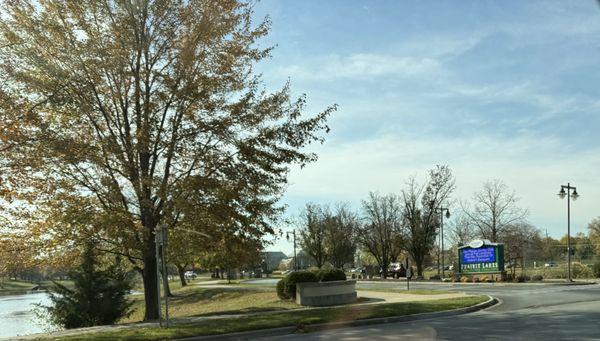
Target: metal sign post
(157,242)
(165,273)
(408,275)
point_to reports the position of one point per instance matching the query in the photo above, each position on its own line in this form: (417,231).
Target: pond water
(17,316)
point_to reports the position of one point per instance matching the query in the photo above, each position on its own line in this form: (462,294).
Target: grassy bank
(197,301)
(281,319)
(14,287)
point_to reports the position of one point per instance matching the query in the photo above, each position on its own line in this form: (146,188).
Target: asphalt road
(526,312)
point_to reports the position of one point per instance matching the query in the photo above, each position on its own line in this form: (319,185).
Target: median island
(195,312)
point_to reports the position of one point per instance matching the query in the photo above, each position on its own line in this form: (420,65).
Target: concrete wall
(326,293)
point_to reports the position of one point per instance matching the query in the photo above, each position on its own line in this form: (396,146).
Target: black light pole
(562,194)
(287,236)
(442,209)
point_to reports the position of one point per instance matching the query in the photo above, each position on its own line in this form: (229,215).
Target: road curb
(544,282)
(251,335)
(576,283)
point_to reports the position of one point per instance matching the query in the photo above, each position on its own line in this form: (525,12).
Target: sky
(495,89)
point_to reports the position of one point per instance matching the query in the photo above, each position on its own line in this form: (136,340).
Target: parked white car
(190,275)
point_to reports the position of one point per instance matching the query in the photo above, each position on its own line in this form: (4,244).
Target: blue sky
(495,89)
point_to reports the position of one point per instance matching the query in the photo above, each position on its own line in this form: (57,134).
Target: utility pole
(548,246)
(442,209)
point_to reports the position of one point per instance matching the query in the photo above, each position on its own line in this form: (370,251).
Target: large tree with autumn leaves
(119,116)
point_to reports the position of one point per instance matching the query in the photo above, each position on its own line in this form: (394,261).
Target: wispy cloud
(360,66)
(531,165)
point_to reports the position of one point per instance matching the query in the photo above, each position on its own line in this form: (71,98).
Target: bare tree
(495,210)
(381,232)
(340,238)
(314,221)
(420,212)
(461,230)
(521,241)
(594,233)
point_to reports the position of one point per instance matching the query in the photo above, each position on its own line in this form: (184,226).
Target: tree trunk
(181,271)
(150,284)
(419,263)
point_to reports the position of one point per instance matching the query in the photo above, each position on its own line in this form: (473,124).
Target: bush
(487,279)
(435,278)
(596,270)
(281,290)
(522,278)
(297,277)
(98,298)
(464,279)
(579,270)
(507,277)
(476,280)
(331,275)
(317,272)
(537,278)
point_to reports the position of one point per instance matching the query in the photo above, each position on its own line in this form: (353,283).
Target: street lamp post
(562,194)
(441,210)
(287,236)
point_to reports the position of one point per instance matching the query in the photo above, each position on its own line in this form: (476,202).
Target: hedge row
(286,287)
(331,275)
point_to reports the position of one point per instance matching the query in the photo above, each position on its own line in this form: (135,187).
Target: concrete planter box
(326,293)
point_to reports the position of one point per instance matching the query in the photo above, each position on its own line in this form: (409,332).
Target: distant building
(305,261)
(272,259)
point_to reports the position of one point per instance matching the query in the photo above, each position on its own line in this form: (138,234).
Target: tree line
(386,226)
(392,227)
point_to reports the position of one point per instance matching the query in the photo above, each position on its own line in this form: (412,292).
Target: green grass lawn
(299,318)
(198,301)
(235,299)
